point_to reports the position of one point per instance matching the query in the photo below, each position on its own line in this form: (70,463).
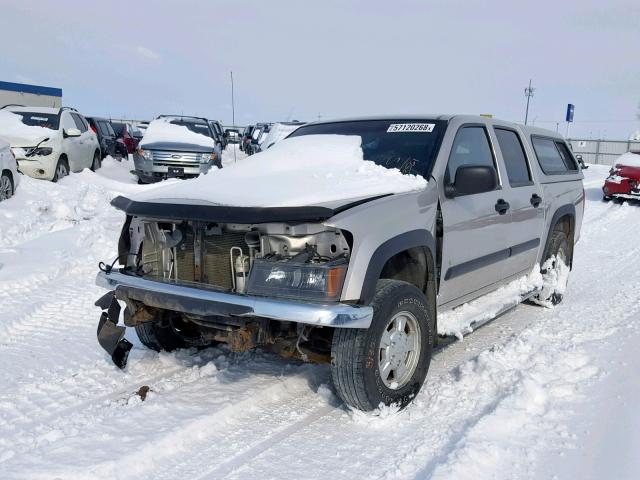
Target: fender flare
(393,246)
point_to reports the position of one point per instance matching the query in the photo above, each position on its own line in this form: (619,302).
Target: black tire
(355,353)
(62,162)
(7,187)
(97,161)
(557,246)
(606,198)
(160,335)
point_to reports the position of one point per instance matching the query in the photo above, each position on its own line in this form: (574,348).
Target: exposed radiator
(215,266)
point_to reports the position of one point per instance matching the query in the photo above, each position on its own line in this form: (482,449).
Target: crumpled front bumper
(205,301)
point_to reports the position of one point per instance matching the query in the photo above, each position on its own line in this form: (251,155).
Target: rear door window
(566,156)
(553,156)
(514,157)
(470,147)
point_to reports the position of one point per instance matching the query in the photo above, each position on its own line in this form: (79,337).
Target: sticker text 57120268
(411,127)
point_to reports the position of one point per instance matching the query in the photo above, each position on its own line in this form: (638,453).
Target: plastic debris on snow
(161,130)
(297,171)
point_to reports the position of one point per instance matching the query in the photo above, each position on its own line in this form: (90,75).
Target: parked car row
(259,137)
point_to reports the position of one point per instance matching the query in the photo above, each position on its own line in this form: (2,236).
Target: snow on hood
(299,171)
(162,131)
(20,135)
(628,160)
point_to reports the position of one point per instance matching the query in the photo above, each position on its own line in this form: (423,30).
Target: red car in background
(623,181)
(129,134)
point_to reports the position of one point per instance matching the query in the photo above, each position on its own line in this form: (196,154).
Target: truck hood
(202,211)
(325,171)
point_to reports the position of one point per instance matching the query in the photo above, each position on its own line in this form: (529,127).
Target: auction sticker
(411,127)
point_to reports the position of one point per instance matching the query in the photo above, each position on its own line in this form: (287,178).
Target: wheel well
(64,157)
(415,266)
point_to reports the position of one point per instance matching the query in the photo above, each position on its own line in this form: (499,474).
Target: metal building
(29,95)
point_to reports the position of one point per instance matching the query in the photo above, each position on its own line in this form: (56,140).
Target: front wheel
(6,186)
(387,363)
(167,332)
(62,170)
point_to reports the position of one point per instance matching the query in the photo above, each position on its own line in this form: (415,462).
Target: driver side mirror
(72,132)
(583,165)
(472,179)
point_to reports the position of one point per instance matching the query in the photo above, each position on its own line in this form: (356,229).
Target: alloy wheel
(399,350)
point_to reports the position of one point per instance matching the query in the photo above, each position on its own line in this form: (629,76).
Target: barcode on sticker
(411,127)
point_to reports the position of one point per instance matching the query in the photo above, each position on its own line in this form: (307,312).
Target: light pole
(233,105)
(528,92)
(233,116)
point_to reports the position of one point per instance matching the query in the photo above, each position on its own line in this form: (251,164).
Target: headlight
(147,154)
(40,151)
(308,281)
(205,157)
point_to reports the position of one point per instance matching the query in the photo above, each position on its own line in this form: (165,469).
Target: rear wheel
(6,186)
(387,363)
(555,269)
(97,162)
(62,169)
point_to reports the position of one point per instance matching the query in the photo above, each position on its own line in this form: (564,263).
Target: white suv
(9,177)
(50,142)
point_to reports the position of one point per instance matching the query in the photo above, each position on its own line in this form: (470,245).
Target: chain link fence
(603,152)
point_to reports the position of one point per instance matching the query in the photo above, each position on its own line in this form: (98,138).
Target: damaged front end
(272,284)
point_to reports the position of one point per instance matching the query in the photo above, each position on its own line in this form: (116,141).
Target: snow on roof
(50,110)
(278,132)
(161,130)
(300,171)
(13,130)
(628,160)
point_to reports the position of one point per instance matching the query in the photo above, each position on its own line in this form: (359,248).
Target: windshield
(408,145)
(36,119)
(201,128)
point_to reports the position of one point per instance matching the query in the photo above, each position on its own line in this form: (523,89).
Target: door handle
(502,206)
(536,200)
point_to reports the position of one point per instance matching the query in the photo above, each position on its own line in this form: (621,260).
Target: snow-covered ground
(537,393)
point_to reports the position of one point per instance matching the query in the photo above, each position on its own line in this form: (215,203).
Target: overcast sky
(291,59)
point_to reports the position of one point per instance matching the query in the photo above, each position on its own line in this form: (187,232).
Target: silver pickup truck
(357,283)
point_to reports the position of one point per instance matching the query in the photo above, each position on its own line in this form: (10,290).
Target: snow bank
(629,160)
(12,128)
(161,130)
(461,320)
(295,172)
